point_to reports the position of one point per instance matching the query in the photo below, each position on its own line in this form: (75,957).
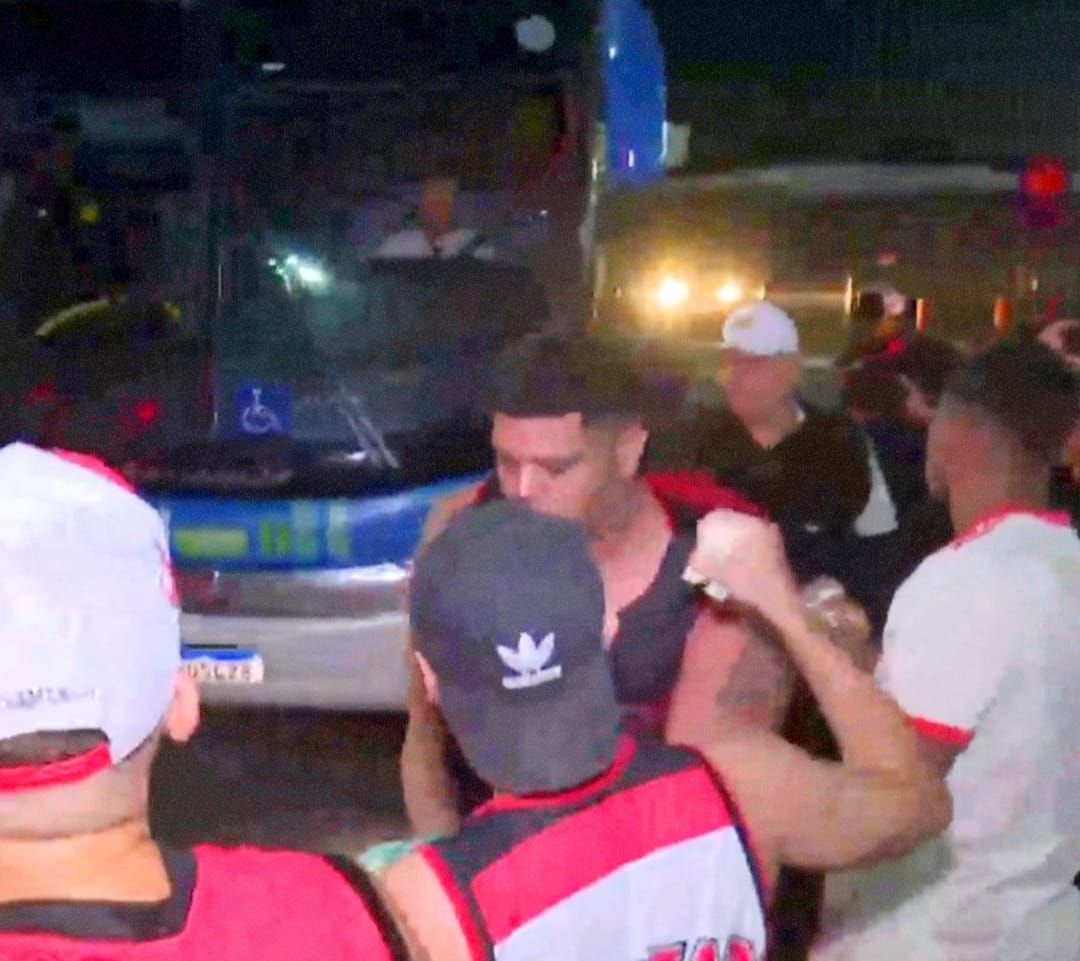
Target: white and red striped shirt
(982,652)
(648,863)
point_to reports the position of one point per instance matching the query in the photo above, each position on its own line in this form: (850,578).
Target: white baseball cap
(90,636)
(761,329)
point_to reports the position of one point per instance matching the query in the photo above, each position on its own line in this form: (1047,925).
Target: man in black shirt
(806,467)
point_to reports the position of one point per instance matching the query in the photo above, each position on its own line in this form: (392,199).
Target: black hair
(928,363)
(1026,389)
(549,376)
(875,391)
(47,747)
(874,387)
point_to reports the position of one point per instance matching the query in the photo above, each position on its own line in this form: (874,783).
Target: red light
(43,392)
(140,417)
(1045,179)
(895,347)
(147,412)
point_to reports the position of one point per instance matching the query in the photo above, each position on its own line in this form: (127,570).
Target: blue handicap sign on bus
(263,410)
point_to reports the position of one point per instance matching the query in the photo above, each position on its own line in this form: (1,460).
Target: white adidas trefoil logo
(528,661)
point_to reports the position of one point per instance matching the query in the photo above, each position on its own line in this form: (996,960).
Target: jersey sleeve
(948,641)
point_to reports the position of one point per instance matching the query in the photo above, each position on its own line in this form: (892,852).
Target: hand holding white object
(743,557)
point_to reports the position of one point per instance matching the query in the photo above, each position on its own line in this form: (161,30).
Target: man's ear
(431,682)
(182,718)
(630,448)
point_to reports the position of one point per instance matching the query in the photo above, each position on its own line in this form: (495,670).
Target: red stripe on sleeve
(943,733)
(588,846)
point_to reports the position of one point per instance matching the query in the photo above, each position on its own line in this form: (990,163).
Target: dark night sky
(779,40)
(840,38)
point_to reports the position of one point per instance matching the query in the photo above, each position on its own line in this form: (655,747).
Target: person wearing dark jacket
(810,471)
(893,395)
(807,468)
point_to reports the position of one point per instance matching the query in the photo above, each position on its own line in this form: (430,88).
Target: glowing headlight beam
(672,292)
(300,272)
(310,275)
(730,293)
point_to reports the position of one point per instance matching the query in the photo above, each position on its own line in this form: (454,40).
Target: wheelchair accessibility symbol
(259,417)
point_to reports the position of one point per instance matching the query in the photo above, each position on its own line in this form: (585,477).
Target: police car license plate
(230,666)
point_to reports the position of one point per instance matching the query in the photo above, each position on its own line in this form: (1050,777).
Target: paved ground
(315,781)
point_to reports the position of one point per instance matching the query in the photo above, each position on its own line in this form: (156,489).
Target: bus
(381,197)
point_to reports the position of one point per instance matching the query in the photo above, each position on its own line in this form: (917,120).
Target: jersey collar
(991,521)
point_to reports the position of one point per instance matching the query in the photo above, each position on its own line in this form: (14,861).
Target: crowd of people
(643,687)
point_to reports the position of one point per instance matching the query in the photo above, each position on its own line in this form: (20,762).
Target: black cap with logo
(508,609)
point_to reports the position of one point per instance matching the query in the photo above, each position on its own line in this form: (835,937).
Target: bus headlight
(730,293)
(672,292)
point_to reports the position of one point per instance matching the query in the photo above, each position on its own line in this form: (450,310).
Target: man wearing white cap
(89,683)
(807,468)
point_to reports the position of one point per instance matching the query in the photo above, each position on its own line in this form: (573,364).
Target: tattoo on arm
(761,681)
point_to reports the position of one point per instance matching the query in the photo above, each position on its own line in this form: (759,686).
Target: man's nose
(527,482)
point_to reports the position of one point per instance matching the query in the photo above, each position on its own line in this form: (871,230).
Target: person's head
(567,427)
(903,382)
(89,647)
(508,612)
(760,366)
(1003,420)
(922,368)
(873,393)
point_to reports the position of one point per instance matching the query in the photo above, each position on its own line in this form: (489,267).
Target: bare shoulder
(732,668)
(445,509)
(424,910)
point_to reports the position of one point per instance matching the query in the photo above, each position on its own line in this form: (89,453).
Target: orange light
(922,315)
(1002,314)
